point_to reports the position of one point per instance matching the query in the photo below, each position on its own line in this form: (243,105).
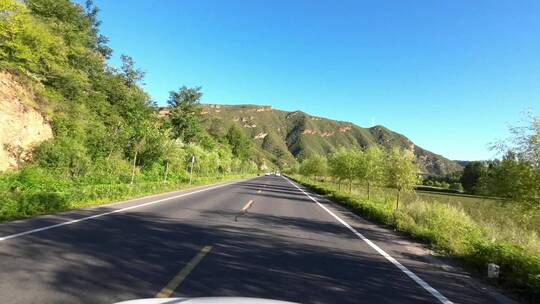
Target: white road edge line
(404,269)
(7,237)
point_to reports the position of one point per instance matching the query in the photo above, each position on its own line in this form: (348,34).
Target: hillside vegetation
(284,137)
(107,141)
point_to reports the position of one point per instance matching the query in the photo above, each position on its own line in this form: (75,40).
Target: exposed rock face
(291,115)
(327,133)
(315,132)
(21,126)
(264,109)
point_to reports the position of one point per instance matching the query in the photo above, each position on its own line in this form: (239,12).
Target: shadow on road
(133,255)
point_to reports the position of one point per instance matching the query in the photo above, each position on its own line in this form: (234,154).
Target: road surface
(263,237)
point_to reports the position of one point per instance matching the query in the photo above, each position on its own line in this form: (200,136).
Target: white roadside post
(191,169)
(493,271)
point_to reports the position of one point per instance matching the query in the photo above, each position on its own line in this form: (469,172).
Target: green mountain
(285,137)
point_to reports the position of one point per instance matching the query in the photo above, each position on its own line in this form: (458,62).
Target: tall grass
(478,233)
(500,220)
(34,191)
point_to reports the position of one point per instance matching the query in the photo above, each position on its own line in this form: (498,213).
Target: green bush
(519,269)
(32,191)
(34,178)
(16,205)
(456,186)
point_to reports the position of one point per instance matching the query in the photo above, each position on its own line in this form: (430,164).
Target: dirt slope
(21,126)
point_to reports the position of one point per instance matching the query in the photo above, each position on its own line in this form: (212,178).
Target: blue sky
(450,75)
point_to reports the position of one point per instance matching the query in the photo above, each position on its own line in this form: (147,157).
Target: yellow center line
(247,206)
(181,276)
(244,210)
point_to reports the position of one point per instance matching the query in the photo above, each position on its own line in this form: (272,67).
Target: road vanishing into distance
(262,237)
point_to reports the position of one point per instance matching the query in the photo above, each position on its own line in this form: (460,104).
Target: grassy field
(478,231)
(33,201)
(498,218)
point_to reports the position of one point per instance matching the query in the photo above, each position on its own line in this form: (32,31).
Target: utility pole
(191,169)
(134,166)
(166,171)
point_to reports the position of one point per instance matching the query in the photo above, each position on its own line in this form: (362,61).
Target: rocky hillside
(284,137)
(22,126)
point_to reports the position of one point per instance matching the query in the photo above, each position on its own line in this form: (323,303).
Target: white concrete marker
(404,269)
(7,237)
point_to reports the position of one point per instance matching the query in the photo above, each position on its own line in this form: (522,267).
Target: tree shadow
(126,256)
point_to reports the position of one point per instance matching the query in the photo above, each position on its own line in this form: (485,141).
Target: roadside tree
(401,171)
(314,165)
(185,116)
(371,167)
(240,145)
(472,173)
(344,165)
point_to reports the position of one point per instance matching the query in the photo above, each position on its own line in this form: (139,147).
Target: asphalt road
(285,246)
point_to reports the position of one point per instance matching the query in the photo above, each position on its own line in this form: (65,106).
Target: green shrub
(33,196)
(16,205)
(34,178)
(456,186)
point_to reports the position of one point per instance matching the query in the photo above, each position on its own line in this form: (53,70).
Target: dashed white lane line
(404,269)
(12,236)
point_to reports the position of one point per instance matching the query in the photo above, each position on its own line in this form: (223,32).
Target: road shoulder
(416,255)
(36,224)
